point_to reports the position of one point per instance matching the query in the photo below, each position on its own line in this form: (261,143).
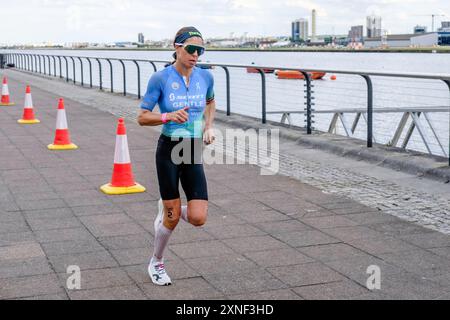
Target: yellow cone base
(62,147)
(7,104)
(21,121)
(110,190)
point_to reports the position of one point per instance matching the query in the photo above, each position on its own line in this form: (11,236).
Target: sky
(104,21)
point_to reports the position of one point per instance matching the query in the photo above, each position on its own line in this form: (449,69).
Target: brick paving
(268,237)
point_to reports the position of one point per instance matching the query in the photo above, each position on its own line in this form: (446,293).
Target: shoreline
(440,50)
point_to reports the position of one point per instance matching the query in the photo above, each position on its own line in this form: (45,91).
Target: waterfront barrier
(413,119)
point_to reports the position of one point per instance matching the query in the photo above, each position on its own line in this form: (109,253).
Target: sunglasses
(191,48)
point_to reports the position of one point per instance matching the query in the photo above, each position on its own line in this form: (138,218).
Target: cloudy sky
(58,21)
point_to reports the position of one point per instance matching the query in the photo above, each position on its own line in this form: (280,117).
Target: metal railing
(40,63)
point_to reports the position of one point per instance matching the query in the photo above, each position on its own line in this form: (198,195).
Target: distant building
(299,30)
(373,26)
(420,29)
(445,27)
(391,41)
(141,38)
(314,26)
(431,39)
(356,34)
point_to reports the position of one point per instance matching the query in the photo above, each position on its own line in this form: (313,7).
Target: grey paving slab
(330,252)
(283,294)
(343,290)
(99,278)
(305,238)
(428,240)
(245,281)
(443,252)
(29,286)
(377,246)
(214,265)
(278,257)
(305,274)
(353,233)
(130,292)
(49,297)
(7,239)
(328,222)
(86,261)
(356,268)
(53,223)
(410,286)
(201,249)
(420,262)
(184,289)
(59,235)
(282,226)
(24,267)
(21,251)
(71,247)
(140,240)
(257,243)
(13,227)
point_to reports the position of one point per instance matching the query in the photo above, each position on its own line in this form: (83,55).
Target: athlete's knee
(198,219)
(173,215)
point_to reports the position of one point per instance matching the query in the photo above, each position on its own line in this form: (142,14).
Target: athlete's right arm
(151,98)
(150,118)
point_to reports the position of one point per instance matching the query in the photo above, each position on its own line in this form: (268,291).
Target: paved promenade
(268,237)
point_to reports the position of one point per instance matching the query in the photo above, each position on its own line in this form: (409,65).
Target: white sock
(184,215)
(161,241)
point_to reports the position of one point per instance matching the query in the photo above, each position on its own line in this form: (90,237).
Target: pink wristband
(164,118)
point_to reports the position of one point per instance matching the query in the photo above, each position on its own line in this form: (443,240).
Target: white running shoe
(158,273)
(159,217)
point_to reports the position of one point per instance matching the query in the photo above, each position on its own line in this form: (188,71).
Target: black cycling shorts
(184,168)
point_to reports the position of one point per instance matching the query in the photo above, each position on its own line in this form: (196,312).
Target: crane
(433,15)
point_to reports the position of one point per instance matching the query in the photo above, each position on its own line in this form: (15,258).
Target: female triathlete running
(185,96)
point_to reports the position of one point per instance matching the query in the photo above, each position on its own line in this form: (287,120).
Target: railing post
(74,73)
(138,78)
(111,75)
(29,66)
(263,89)
(49,65)
(308,85)
(45,68)
(40,69)
(447,82)
(124,78)
(369,111)
(82,71)
(67,68)
(90,71)
(227,74)
(100,73)
(154,66)
(60,67)
(54,65)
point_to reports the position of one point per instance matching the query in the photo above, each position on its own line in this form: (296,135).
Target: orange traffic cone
(122,178)
(28,112)
(62,136)
(5,94)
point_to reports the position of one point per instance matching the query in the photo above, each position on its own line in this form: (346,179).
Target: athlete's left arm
(210,112)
